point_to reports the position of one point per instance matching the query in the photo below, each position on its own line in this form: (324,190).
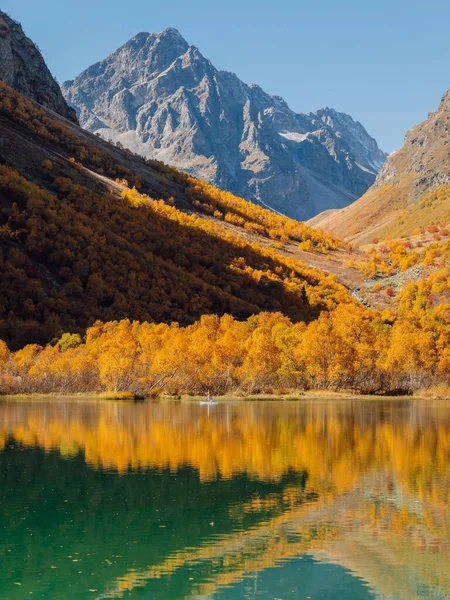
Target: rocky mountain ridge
(411,190)
(423,152)
(23,68)
(160,97)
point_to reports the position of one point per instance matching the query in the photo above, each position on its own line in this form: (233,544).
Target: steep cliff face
(411,190)
(23,68)
(161,98)
(425,153)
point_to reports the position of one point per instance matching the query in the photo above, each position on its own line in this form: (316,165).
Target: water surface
(322,499)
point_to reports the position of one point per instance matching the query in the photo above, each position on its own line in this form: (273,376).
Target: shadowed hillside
(74,250)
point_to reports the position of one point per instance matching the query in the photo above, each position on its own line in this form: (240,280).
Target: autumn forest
(224,321)
(123,274)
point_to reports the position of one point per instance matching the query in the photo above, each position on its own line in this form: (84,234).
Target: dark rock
(23,68)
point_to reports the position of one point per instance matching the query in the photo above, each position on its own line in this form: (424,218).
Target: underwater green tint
(323,499)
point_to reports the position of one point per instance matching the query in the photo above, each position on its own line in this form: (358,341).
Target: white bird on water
(209,400)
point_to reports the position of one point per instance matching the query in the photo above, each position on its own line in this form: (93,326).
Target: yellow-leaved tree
(116,350)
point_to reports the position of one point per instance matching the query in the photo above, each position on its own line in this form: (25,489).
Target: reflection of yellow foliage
(389,479)
(329,446)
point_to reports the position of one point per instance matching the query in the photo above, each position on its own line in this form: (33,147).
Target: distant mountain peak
(173,33)
(168,33)
(169,37)
(159,96)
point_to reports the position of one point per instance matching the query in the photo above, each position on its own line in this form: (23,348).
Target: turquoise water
(282,500)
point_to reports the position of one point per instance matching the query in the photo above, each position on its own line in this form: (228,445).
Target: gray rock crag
(161,98)
(424,154)
(23,68)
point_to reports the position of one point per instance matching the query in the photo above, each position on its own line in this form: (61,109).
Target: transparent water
(322,499)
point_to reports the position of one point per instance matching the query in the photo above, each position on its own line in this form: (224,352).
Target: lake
(316,499)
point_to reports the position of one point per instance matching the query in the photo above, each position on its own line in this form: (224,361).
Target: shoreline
(301,396)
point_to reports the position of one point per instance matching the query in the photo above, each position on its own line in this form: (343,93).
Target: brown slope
(73,250)
(412,189)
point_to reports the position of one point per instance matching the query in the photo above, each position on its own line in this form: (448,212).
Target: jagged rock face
(23,68)
(424,154)
(161,98)
(393,207)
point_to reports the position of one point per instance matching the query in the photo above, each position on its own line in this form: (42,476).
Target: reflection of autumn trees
(334,445)
(374,474)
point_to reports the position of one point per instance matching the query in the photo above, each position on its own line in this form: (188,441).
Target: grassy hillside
(411,191)
(74,248)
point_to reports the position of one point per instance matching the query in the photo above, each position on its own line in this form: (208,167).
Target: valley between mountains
(123,273)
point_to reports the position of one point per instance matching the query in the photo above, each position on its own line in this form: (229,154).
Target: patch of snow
(294,136)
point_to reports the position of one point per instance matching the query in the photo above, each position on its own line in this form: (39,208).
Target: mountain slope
(411,191)
(23,68)
(78,244)
(160,97)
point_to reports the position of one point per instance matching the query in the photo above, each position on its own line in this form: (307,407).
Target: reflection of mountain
(57,512)
(361,485)
(400,563)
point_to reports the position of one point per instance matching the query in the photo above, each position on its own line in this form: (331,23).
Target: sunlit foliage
(71,254)
(349,347)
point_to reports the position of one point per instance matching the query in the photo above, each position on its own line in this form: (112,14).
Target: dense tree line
(349,347)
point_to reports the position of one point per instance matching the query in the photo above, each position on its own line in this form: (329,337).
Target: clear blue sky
(385,62)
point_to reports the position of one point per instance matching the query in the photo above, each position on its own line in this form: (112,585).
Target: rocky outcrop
(23,68)
(393,207)
(161,98)
(424,154)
